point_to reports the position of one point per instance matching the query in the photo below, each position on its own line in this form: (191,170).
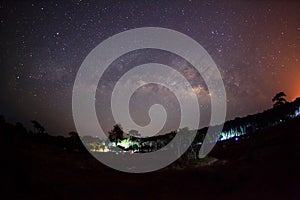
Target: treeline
(233,129)
(17,134)
(280,113)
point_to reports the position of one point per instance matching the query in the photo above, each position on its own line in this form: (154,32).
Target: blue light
(297,113)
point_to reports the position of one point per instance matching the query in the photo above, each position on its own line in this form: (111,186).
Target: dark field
(264,166)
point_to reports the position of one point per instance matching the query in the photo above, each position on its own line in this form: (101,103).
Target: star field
(255,44)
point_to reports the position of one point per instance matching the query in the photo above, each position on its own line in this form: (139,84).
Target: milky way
(255,44)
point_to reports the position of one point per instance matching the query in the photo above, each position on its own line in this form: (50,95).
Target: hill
(265,164)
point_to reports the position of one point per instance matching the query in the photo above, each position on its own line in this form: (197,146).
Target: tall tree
(279,99)
(116,133)
(38,127)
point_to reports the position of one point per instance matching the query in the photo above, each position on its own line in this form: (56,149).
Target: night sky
(255,44)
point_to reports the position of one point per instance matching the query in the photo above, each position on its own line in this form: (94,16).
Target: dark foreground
(265,166)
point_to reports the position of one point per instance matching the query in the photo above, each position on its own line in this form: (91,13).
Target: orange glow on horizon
(291,83)
(289,77)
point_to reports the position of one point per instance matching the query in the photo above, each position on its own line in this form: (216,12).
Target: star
(254,45)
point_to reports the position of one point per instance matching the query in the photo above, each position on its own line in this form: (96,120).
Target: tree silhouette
(38,127)
(74,134)
(279,99)
(116,133)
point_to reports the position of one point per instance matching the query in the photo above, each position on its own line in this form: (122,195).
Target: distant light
(297,113)
(236,139)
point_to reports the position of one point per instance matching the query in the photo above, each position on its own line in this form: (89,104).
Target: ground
(264,166)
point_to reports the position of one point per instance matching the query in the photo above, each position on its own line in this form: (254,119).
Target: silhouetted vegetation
(279,99)
(237,129)
(116,133)
(39,129)
(39,166)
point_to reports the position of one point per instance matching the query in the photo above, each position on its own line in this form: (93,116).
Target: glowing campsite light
(126,143)
(232,133)
(297,113)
